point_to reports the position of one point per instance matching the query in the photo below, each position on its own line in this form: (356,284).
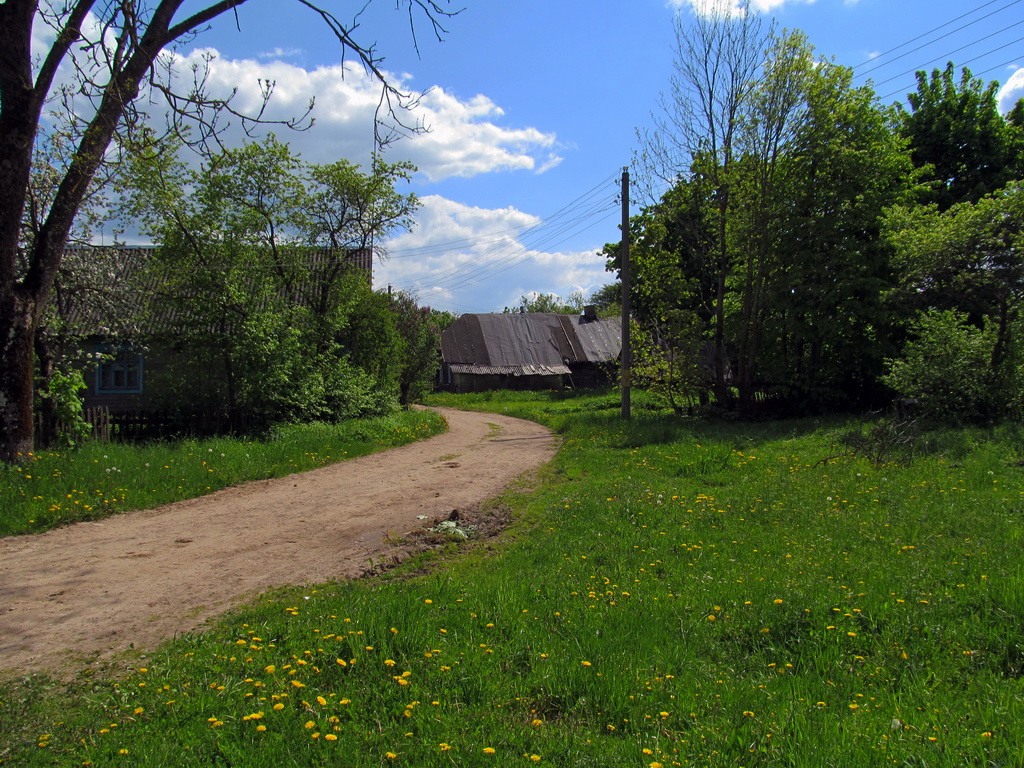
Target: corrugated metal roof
(531,343)
(601,339)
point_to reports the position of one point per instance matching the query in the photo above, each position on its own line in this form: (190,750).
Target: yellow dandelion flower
(279,706)
(321,701)
(270,669)
(330,737)
(537,723)
(297,684)
(489,750)
(535,758)
(390,755)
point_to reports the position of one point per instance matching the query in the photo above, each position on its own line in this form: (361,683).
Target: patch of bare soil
(91,590)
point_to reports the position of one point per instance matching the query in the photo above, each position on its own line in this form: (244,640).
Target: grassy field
(99,479)
(671,593)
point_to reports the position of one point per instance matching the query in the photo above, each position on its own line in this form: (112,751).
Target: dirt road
(92,589)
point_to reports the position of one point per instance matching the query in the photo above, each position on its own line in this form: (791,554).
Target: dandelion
(390,755)
(321,701)
(535,758)
(537,723)
(330,737)
(489,750)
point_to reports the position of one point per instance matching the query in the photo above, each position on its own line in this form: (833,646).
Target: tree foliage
(752,246)
(255,288)
(957,136)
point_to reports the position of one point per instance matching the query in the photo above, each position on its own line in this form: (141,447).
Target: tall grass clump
(671,593)
(98,479)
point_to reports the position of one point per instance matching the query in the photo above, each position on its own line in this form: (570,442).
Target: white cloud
(464,138)
(281,53)
(733,7)
(1012,90)
(471,259)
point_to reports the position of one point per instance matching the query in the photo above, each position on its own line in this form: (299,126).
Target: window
(122,374)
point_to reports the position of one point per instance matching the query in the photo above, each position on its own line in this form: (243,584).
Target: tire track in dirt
(92,589)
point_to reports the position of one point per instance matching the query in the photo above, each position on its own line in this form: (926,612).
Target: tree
(420,329)
(718,58)
(549,302)
(253,272)
(965,261)
(754,247)
(957,134)
(109,74)
(826,329)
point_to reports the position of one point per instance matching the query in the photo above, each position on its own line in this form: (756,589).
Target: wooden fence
(139,426)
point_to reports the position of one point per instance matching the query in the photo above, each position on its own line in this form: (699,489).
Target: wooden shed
(533,350)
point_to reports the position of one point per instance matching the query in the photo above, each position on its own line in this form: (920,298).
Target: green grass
(672,593)
(99,479)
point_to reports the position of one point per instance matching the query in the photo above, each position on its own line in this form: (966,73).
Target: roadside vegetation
(56,487)
(671,592)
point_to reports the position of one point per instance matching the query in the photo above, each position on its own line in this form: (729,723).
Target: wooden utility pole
(626,358)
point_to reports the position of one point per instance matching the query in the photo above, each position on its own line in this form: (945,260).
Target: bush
(947,367)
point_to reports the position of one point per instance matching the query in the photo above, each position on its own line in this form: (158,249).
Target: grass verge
(99,479)
(673,593)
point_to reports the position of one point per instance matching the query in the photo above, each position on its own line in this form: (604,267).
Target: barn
(532,350)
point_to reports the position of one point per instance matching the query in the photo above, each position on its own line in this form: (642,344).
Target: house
(108,300)
(533,350)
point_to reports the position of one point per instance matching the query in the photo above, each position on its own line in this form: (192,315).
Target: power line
(925,34)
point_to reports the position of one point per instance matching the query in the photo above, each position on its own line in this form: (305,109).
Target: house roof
(104,286)
(529,344)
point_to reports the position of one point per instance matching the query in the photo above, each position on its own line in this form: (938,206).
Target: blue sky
(534,105)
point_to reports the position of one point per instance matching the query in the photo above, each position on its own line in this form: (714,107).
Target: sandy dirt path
(90,590)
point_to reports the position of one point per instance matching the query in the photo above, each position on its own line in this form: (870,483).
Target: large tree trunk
(17,363)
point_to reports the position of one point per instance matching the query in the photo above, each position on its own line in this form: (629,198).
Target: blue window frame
(121,374)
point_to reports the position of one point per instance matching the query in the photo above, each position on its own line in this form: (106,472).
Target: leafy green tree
(967,260)
(786,281)
(946,367)
(281,327)
(718,62)
(957,135)
(825,327)
(549,302)
(420,329)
